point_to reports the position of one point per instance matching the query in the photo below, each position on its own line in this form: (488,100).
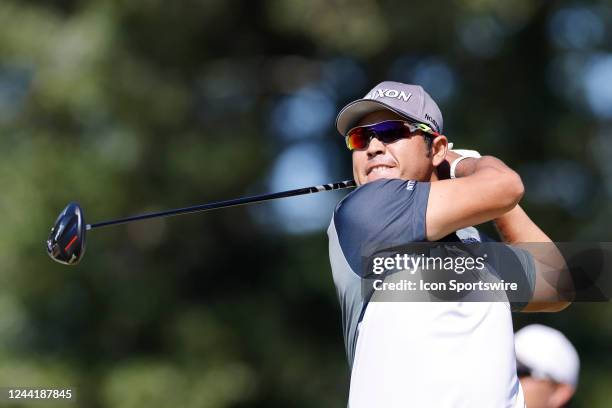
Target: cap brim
(354,111)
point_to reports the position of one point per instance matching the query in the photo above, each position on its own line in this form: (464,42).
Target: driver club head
(66,243)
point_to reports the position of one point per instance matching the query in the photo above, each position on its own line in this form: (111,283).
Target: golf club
(66,243)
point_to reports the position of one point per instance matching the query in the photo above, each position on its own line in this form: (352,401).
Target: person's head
(397,133)
(547,366)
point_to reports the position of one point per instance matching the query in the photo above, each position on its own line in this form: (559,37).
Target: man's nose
(376,147)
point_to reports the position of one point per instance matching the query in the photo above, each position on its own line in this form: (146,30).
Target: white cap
(548,353)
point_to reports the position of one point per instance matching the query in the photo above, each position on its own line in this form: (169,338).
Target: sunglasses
(388,131)
(523,371)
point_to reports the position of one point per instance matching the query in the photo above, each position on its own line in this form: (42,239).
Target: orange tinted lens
(357,138)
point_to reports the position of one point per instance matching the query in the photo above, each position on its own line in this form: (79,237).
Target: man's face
(541,393)
(406,158)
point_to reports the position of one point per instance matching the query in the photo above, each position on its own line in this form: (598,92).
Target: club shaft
(227,203)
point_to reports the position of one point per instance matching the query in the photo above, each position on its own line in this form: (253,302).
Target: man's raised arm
(553,286)
(486,189)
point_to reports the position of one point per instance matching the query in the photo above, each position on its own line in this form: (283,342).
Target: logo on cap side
(428,117)
(389,93)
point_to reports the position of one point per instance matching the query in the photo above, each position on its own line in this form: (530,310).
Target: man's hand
(445,170)
(451,156)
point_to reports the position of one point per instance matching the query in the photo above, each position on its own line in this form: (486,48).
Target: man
(547,366)
(411,188)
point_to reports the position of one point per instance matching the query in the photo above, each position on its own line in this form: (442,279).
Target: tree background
(132,106)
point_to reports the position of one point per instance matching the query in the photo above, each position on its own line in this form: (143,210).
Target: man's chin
(381,175)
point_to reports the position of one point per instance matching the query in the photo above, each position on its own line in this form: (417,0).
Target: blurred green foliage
(131,106)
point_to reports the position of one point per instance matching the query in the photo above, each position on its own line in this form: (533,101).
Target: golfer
(412,188)
(547,366)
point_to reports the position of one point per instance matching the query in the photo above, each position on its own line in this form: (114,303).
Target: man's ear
(439,147)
